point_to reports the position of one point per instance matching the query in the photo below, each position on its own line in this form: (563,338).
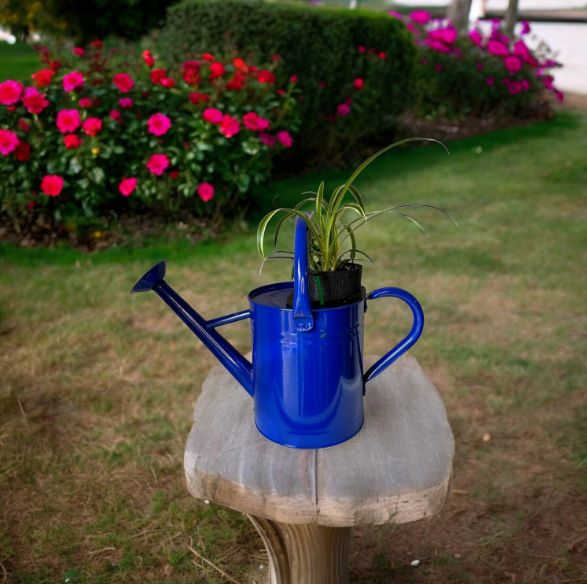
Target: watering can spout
(230,358)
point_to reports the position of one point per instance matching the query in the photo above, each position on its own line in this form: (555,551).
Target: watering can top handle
(302,308)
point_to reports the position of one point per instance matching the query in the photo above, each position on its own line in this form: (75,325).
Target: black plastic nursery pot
(337,288)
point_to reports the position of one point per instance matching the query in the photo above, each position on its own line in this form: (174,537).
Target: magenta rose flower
(285,138)
(267,139)
(123,82)
(10,92)
(68,121)
(206,191)
(73,80)
(521,50)
(212,115)
(395,14)
(158,124)
(43,77)
(342,110)
(229,126)
(497,48)
(115,115)
(72,141)
(512,64)
(51,185)
(92,126)
(8,142)
(514,87)
(421,16)
(34,101)
(490,80)
(78,51)
(85,102)
(127,186)
(476,37)
(126,102)
(358,83)
(254,122)
(158,163)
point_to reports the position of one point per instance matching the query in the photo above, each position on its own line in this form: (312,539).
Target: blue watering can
(307,375)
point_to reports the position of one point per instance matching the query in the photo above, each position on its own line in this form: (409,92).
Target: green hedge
(318,44)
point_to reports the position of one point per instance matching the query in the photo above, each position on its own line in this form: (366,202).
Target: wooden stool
(304,503)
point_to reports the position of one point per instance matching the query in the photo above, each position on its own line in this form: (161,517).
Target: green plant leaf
(263,225)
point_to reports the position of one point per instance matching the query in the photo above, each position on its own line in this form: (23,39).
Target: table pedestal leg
(305,554)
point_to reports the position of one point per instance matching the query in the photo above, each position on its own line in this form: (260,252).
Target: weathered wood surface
(397,469)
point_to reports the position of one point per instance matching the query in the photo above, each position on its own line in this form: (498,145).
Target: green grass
(18,62)
(97,386)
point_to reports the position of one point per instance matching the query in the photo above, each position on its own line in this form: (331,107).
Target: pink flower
(476,37)
(265,76)
(123,82)
(212,115)
(382,55)
(413,28)
(254,122)
(207,57)
(547,81)
(78,51)
(51,185)
(34,101)
(395,14)
(559,95)
(72,141)
(206,191)
(96,44)
(10,92)
(127,186)
(525,27)
(293,78)
(216,70)
(521,50)
(497,48)
(8,142)
(512,64)
(73,80)
(284,138)
(43,77)
(438,67)
(167,82)
(115,114)
(437,45)
(24,126)
(158,124)
(421,16)
(342,110)
(157,75)
(157,164)
(85,102)
(361,49)
(525,85)
(514,87)
(92,126)
(267,139)
(479,66)
(174,174)
(446,35)
(149,61)
(358,83)
(490,80)
(68,121)
(229,126)
(126,102)
(198,98)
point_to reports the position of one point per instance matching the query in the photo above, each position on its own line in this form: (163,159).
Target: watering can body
(306,376)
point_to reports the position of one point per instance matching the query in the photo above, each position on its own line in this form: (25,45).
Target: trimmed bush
(326,48)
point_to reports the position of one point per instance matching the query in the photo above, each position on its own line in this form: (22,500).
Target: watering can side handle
(302,309)
(228,319)
(409,341)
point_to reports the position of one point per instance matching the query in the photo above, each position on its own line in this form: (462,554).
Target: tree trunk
(458,13)
(511,17)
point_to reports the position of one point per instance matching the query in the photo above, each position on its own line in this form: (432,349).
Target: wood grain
(395,470)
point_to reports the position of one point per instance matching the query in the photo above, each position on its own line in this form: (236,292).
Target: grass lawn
(18,62)
(98,387)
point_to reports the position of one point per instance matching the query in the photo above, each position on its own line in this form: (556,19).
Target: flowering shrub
(103,131)
(477,74)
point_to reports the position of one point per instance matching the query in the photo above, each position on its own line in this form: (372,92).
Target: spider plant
(331,239)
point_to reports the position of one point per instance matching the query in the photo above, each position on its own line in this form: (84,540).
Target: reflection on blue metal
(307,375)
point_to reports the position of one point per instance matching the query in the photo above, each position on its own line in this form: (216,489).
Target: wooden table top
(397,469)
